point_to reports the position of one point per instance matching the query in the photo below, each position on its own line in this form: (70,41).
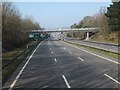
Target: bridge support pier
(87,36)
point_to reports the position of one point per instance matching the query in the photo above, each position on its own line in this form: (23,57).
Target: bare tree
(28,25)
(102,21)
(11,22)
(14,27)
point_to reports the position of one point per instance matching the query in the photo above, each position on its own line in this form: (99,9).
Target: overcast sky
(59,14)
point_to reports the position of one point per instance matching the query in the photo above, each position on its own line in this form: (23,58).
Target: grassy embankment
(107,53)
(113,37)
(20,53)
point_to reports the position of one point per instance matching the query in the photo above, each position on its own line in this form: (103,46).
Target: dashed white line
(70,52)
(52,52)
(55,59)
(112,78)
(95,54)
(58,44)
(66,82)
(50,48)
(64,48)
(14,82)
(80,59)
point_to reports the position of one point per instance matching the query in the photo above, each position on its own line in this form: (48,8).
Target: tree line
(113,13)
(98,20)
(107,19)
(14,27)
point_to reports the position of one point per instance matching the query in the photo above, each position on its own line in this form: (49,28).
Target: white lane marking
(18,76)
(66,82)
(55,59)
(80,59)
(70,52)
(112,78)
(58,44)
(64,48)
(50,48)
(95,54)
(52,52)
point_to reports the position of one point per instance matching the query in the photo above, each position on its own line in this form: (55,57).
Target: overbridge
(87,30)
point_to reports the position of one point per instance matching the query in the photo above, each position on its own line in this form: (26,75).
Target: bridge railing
(67,29)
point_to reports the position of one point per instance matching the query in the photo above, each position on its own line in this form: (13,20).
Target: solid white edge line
(14,82)
(55,59)
(66,82)
(80,59)
(111,78)
(94,54)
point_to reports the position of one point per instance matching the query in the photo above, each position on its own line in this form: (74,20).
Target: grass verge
(10,68)
(104,52)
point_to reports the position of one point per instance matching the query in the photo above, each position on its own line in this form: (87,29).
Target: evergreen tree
(113,13)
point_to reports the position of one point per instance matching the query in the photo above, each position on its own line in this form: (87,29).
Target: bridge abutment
(87,36)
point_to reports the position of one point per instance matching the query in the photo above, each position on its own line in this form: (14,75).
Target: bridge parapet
(87,30)
(66,30)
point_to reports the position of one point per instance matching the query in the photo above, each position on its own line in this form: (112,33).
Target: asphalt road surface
(105,46)
(55,64)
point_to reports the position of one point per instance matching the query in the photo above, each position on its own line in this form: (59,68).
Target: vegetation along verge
(10,63)
(104,52)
